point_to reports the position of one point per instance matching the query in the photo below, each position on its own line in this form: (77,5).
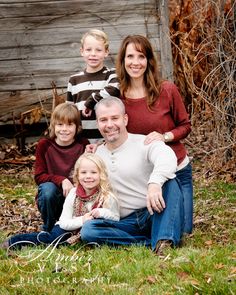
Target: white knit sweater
(69,222)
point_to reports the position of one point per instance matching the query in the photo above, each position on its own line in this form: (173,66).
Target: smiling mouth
(135,69)
(111,133)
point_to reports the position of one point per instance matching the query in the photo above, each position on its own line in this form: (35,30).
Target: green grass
(205,264)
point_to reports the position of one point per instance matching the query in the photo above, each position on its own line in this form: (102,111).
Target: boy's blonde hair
(105,188)
(97,34)
(65,113)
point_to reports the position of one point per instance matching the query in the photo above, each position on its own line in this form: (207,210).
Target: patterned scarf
(80,208)
(82,199)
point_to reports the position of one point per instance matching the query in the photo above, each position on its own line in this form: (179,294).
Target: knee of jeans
(47,191)
(87,233)
(172,188)
(84,233)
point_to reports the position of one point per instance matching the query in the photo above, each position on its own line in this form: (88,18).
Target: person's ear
(107,53)
(126,119)
(81,51)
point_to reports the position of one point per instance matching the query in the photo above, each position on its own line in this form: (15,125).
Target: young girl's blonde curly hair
(105,188)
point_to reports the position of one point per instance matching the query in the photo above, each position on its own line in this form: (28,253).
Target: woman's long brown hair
(151,75)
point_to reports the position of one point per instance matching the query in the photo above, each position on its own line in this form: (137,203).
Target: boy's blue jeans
(140,227)
(56,235)
(50,204)
(184,176)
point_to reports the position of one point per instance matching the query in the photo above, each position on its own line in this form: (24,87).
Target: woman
(155,108)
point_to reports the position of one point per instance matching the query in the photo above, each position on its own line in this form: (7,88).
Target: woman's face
(135,62)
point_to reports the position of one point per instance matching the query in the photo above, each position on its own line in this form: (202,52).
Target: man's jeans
(140,227)
(56,236)
(184,176)
(50,204)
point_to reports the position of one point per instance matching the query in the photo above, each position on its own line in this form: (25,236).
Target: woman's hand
(153,136)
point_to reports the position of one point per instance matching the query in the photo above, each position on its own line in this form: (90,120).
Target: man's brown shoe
(161,246)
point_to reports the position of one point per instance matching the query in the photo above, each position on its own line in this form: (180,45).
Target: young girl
(55,160)
(92,197)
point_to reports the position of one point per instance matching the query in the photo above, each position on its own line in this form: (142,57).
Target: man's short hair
(108,101)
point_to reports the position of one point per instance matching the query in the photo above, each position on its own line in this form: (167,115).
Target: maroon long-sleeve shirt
(54,163)
(168,114)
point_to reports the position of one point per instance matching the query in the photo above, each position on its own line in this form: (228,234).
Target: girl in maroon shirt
(155,108)
(55,159)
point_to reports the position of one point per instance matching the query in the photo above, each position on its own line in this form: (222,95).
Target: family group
(114,169)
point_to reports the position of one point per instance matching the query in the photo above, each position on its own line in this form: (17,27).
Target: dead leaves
(215,218)
(32,116)
(10,155)
(187,278)
(151,280)
(18,215)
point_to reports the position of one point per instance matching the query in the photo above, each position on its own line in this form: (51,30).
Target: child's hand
(87,216)
(66,187)
(91,148)
(86,112)
(95,213)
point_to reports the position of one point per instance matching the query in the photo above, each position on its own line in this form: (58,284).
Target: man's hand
(155,199)
(66,187)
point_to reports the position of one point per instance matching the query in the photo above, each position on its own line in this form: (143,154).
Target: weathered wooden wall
(40,42)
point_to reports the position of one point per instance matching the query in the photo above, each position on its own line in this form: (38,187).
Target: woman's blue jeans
(184,176)
(50,204)
(140,227)
(56,236)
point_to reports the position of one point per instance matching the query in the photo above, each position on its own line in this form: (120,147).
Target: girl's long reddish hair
(151,75)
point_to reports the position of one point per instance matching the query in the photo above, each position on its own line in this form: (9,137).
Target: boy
(55,160)
(95,82)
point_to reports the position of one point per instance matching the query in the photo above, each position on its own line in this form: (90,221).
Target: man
(151,202)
